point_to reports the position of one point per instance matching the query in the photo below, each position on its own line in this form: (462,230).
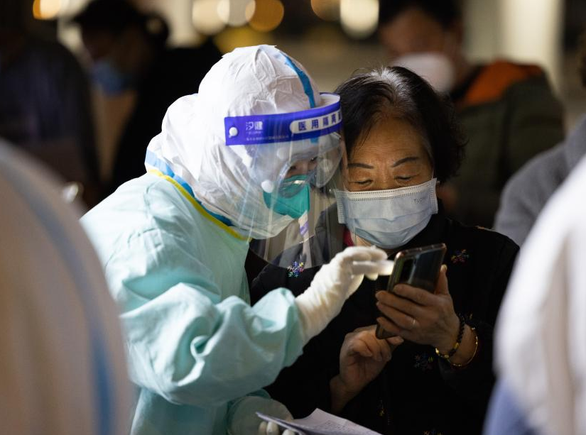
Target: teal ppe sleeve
(186,341)
(178,278)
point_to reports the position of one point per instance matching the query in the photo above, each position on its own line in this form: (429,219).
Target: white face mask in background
(433,66)
(388,218)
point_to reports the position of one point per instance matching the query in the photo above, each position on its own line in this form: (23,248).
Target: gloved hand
(270,428)
(243,420)
(336,282)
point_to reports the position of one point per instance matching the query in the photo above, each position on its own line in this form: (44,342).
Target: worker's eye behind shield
(302,167)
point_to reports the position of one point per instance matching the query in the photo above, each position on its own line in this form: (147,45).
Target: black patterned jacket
(415,394)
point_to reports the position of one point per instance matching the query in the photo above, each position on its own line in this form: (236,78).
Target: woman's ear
(448,195)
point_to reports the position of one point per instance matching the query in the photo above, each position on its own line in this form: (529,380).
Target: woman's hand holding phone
(420,316)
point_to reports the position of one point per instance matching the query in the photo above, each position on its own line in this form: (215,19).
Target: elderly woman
(401,144)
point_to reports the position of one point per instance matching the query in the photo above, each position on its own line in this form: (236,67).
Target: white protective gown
(542,325)
(62,364)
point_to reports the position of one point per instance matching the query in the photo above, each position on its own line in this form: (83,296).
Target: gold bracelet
(473,355)
(456,345)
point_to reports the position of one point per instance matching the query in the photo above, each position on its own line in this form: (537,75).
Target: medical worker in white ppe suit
(234,162)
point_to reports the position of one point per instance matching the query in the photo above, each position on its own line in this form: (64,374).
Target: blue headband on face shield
(284,127)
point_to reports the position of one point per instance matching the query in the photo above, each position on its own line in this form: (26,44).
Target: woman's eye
(361,182)
(403,178)
(314,159)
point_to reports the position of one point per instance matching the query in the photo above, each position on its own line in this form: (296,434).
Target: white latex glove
(242,418)
(336,282)
(270,428)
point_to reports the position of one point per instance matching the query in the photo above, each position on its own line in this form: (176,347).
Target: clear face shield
(291,160)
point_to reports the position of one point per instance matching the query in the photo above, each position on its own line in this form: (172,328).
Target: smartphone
(418,267)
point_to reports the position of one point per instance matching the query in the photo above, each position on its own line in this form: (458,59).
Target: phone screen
(418,267)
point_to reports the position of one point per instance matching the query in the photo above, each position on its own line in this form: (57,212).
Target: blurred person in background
(45,102)
(541,361)
(529,189)
(128,51)
(235,161)
(402,142)
(62,360)
(507,110)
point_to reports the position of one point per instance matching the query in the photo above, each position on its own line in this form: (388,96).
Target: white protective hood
(255,80)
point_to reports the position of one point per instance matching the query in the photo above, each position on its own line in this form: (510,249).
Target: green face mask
(292,197)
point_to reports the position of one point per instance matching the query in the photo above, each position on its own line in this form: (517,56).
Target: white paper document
(320,423)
